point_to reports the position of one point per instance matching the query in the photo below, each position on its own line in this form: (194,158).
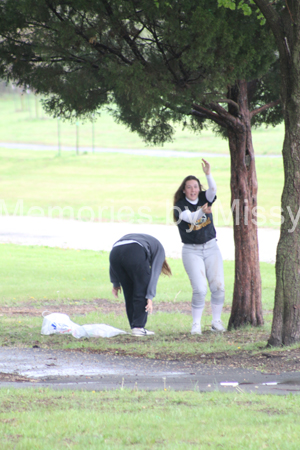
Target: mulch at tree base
(274,362)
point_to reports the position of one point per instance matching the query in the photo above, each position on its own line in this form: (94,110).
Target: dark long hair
(179,194)
(166,269)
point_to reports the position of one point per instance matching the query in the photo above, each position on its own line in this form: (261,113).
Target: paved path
(101,235)
(158,152)
(75,370)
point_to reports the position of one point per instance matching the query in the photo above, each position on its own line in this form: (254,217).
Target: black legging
(131,266)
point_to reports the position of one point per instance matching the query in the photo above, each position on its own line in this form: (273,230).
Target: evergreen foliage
(147,61)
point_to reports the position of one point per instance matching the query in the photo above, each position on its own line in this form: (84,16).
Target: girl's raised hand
(205,167)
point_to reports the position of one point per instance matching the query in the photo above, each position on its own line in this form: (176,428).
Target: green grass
(115,187)
(22,120)
(42,274)
(47,419)
(172,339)
(40,277)
(43,277)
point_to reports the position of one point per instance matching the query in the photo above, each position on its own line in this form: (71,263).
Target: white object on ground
(102,330)
(58,323)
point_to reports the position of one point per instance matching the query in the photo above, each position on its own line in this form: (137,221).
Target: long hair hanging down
(166,269)
(179,194)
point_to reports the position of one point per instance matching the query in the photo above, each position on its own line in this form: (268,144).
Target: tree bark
(246,304)
(286,317)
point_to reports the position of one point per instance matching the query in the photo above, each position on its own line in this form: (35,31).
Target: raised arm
(212,187)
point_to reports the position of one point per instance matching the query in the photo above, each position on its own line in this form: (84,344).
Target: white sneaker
(141,332)
(196,328)
(217,326)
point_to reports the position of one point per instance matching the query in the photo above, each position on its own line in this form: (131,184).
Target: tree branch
(204,112)
(274,20)
(52,8)
(263,108)
(198,114)
(132,44)
(231,102)
(288,8)
(161,50)
(231,120)
(271,16)
(101,47)
(125,35)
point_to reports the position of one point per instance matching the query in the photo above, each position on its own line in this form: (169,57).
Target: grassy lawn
(34,279)
(22,120)
(98,187)
(72,280)
(44,274)
(45,419)
(34,419)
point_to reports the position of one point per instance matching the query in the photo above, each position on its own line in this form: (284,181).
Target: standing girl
(136,261)
(201,256)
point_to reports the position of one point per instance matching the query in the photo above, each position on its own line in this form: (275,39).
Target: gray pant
(201,262)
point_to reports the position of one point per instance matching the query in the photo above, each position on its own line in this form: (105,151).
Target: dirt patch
(100,305)
(12,377)
(274,363)
(31,309)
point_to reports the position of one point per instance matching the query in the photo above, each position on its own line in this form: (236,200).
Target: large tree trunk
(246,304)
(286,318)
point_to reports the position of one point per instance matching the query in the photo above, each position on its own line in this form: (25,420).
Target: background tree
(283,17)
(156,64)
